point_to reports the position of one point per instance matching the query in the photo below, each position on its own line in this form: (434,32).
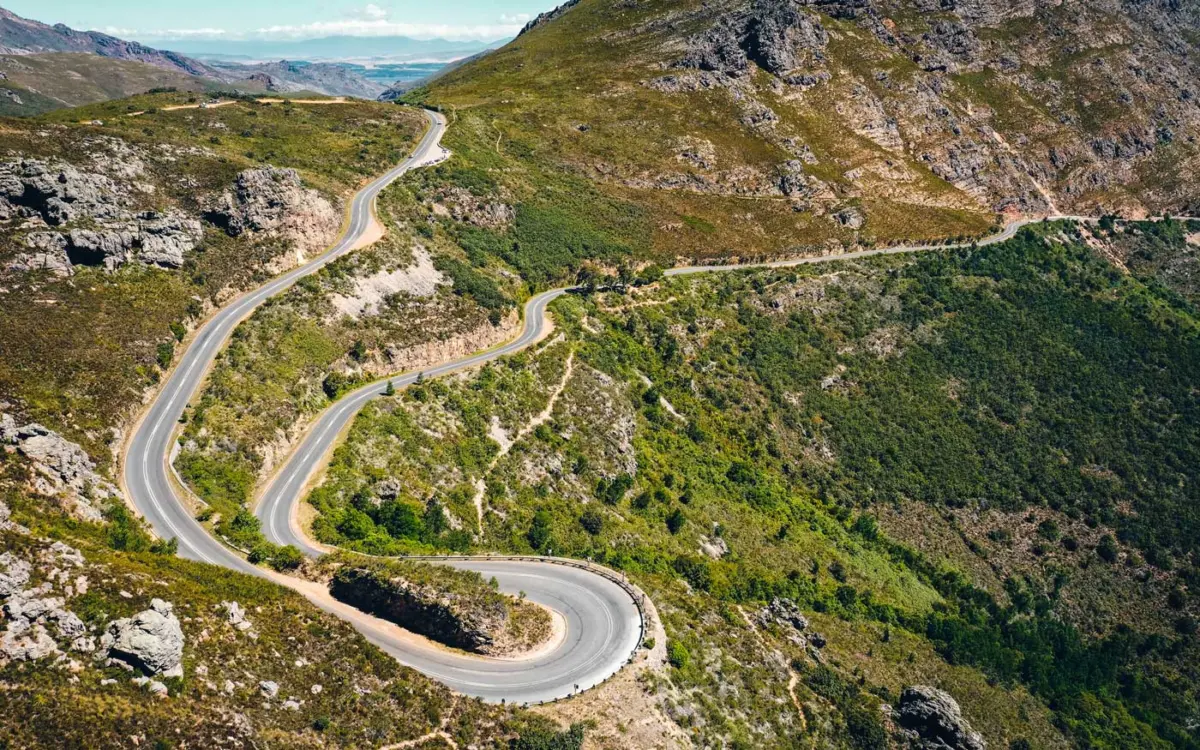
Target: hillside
(23,36)
(966,469)
(46,82)
(732,128)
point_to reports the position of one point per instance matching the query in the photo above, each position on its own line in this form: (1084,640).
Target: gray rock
(66,467)
(850,218)
(151,641)
(57,192)
(14,572)
(783,612)
(49,254)
(777,36)
(268,688)
(276,202)
(25,642)
(936,720)
(291,705)
(235,615)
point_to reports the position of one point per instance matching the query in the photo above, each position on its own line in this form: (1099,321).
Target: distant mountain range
(21,36)
(361,67)
(333,48)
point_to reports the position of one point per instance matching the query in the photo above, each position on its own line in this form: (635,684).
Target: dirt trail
(507,443)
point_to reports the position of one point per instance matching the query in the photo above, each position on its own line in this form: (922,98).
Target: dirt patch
(420,280)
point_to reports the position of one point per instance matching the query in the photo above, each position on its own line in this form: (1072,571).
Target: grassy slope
(98,333)
(366,698)
(525,103)
(836,389)
(59,80)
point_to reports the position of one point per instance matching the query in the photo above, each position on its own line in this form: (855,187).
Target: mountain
(830,121)
(323,78)
(33,84)
(343,48)
(21,36)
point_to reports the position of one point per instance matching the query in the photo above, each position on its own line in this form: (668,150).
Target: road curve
(603,624)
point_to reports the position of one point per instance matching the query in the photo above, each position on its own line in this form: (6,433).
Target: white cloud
(383,27)
(518,18)
(374,11)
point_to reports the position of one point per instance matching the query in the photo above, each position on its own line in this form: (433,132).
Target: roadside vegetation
(79,352)
(733,438)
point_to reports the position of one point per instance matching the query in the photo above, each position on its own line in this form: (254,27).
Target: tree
(435,518)
(676,521)
(356,525)
(592,521)
(1107,549)
(390,390)
(359,350)
(539,531)
(401,519)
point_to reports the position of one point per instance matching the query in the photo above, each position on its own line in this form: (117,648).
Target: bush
(592,521)
(677,654)
(676,521)
(287,558)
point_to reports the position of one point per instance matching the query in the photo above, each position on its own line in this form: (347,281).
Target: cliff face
(889,108)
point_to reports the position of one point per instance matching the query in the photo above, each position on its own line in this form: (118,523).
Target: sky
(150,20)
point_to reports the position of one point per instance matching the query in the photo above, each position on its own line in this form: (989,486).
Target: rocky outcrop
(934,720)
(58,194)
(62,468)
(548,16)
(460,621)
(275,202)
(779,37)
(151,641)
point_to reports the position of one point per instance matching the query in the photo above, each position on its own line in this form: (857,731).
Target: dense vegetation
(79,352)
(779,414)
(365,697)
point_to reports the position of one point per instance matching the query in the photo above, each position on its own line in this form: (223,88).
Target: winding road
(603,621)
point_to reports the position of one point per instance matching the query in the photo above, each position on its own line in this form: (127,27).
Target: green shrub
(677,654)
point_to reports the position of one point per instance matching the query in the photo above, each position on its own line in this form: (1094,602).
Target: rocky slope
(861,119)
(22,36)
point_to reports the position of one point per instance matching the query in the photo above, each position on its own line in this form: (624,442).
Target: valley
(729,375)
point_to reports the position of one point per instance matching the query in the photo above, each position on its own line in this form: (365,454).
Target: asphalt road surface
(603,624)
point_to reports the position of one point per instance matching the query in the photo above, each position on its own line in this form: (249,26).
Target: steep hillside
(324,78)
(767,128)
(22,36)
(125,223)
(46,82)
(969,469)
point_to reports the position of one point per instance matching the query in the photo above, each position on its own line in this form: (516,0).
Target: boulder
(14,573)
(275,201)
(935,720)
(268,688)
(25,642)
(235,615)
(64,466)
(151,641)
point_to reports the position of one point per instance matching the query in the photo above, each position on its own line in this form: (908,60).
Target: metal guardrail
(620,579)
